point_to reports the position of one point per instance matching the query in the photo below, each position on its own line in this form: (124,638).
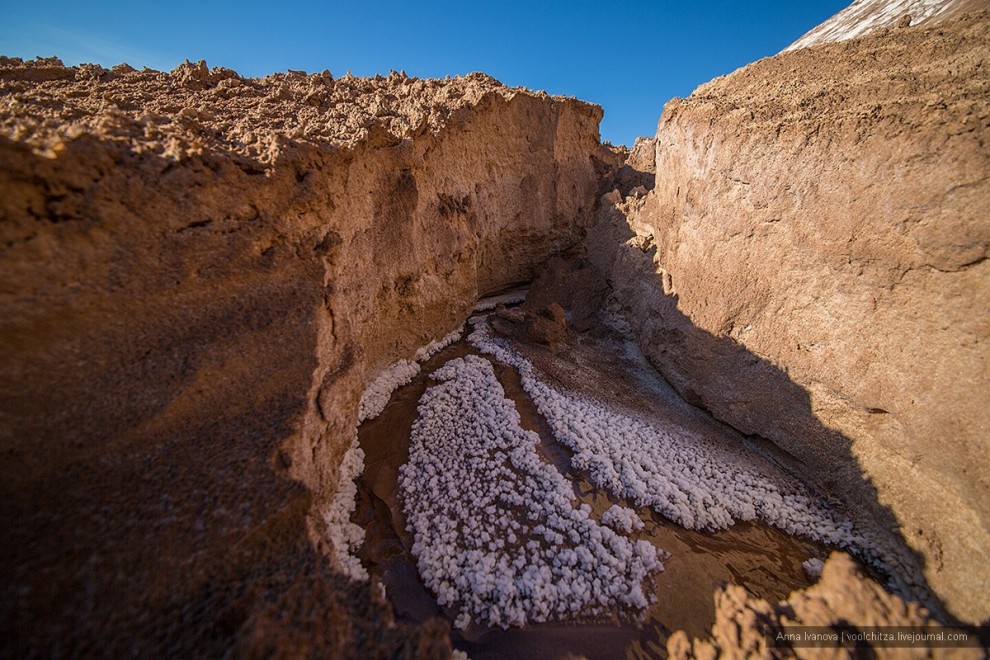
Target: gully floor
(763,559)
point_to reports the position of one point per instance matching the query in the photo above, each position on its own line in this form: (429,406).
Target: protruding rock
(746,626)
(548,326)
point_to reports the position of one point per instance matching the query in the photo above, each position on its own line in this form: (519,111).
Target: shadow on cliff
(752,395)
(153,364)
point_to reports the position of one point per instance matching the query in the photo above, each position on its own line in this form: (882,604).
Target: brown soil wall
(199,275)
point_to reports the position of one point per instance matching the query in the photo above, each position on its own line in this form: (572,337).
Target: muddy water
(763,559)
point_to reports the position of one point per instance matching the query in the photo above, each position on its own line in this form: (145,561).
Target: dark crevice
(194,225)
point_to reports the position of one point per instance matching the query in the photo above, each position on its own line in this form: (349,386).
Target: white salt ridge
(495,528)
(486,304)
(377,394)
(426,352)
(622,519)
(345,536)
(676,473)
(865,16)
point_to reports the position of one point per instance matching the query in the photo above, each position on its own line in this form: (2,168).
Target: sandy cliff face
(812,267)
(200,274)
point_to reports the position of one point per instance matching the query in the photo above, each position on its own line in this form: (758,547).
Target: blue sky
(629,57)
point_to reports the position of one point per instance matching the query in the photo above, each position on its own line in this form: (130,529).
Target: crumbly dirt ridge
(195,108)
(889,78)
(747,626)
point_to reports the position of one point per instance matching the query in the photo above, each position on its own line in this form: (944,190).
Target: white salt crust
(377,394)
(486,304)
(622,519)
(865,16)
(426,352)
(678,474)
(495,528)
(345,536)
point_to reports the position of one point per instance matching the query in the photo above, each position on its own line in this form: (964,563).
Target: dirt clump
(546,325)
(572,284)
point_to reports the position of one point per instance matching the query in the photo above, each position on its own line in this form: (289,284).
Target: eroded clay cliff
(200,274)
(812,268)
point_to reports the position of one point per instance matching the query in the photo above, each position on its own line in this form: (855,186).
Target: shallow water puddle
(761,558)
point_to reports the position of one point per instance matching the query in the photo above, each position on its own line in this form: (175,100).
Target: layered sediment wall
(200,274)
(812,268)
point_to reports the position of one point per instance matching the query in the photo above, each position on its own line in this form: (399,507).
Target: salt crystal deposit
(345,535)
(676,473)
(622,519)
(486,304)
(865,16)
(377,394)
(426,352)
(496,530)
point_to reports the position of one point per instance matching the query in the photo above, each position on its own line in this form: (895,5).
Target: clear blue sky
(629,57)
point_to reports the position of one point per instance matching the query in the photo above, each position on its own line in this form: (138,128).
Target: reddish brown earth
(812,268)
(199,274)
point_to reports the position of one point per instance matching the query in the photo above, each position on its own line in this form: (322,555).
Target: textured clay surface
(199,275)
(812,268)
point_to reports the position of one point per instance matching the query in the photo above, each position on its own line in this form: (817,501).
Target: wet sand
(761,558)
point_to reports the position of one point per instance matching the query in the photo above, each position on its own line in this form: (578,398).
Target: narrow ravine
(762,558)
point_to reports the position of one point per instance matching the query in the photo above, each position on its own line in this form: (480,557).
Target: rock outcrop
(812,268)
(751,627)
(200,274)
